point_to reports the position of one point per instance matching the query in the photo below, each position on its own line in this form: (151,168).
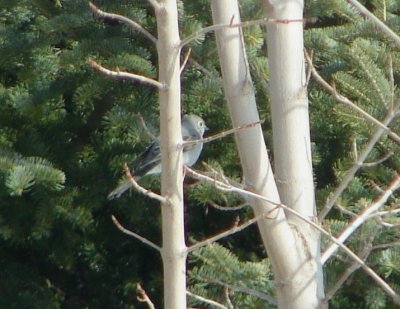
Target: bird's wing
(150,158)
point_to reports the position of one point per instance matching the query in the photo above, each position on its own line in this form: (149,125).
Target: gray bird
(149,162)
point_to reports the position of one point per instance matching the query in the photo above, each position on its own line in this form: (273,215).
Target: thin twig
(359,220)
(346,102)
(385,213)
(262,21)
(349,176)
(135,235)
(185,60)
(245,289)
(228,188)
(143,298)
(222,134)
(377,162)
(142,190)
(228,208)
(233,230)
(146,128)
(206,300)
(365,252)
(127,75)
(389,33)
(134,25)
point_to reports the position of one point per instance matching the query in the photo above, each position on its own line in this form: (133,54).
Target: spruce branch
(125,20)
(346,102)
(134,235)
(226,187)
(126,75)
(142,190)
(143,298)
(359,220)
(205,300)
(386,31)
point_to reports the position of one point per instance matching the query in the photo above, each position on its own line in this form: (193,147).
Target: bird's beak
(206,128)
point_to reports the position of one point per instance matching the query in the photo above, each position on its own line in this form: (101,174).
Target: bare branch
(233,230)
(365,252)
(385,213)
(143,122)
(389,33)
(222,134)
(377,162)
(126,75)
(135,235)
(206,300)
(346,102)
(134,25)
(143,298)
(362,218)
(262,21)
(228,208)
(142,190)
(247,290)
(332,199)
(185,60)
(228,188)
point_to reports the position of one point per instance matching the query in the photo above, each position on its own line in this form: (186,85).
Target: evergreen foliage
(66,130)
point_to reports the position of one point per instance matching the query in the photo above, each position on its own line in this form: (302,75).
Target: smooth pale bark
(290,123)
(174,248)
(289,251)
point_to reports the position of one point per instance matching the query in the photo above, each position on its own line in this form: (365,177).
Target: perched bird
(149,162)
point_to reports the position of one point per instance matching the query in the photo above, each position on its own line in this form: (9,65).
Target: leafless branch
(134,25)
(377,162)
(127,75)
(349,176)
(359,220)
(185,60)
(228,299)
(143,298)
(142,190)
(222,134)
(243,24)
(134,235)
(386,246)
(346,102)
(145,127)
(228,208)
(245,289)
(389,33)
(206,300)
(385,213)
(228,188)
(365,252)
(230,231)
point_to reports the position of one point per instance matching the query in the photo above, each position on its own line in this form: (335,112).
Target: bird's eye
(201,123)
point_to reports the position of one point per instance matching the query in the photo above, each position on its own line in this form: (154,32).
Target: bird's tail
(118,191)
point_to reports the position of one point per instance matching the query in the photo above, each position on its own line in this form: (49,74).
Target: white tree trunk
(293,263)
(174,248)
(290,123)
